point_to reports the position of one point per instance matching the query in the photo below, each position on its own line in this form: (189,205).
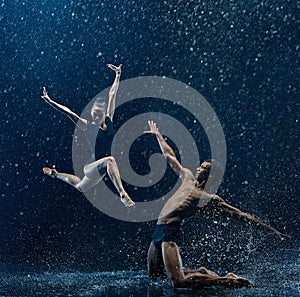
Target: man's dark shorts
(168,232)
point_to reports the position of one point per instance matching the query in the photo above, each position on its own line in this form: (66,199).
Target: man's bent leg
(175,273)
(203,270)
(172,263)
(155,263)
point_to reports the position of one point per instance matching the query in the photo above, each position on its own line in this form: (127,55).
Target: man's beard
(201,178)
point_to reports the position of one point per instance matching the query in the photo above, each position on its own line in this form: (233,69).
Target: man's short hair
(217,171)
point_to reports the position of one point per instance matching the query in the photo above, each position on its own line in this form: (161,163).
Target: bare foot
(204,270)
(50,172)
(235,281)
(126,200)
(241,282)
(231,275)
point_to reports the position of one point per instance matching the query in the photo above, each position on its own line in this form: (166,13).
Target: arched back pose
(102,116)
(163,254)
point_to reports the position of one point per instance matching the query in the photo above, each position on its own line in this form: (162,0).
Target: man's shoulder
(186,174)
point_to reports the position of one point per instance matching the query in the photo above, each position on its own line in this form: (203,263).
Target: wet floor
(278,277)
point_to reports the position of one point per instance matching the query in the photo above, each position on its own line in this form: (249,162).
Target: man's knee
(177,282)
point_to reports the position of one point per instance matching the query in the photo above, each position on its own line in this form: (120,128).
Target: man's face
(202,172)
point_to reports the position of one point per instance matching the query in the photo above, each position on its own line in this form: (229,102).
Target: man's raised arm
(165,148)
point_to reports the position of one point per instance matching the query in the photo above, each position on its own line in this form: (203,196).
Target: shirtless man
(163,253)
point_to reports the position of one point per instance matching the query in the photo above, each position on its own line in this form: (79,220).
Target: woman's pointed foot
(126,200)
(50,172)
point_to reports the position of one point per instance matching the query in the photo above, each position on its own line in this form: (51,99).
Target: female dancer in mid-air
(102,116)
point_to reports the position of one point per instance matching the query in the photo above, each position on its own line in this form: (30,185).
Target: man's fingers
(152,126)
(286,236)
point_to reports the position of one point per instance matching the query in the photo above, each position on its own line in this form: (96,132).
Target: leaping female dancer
(102,116)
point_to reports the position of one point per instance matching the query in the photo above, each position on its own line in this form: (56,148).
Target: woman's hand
(46,96)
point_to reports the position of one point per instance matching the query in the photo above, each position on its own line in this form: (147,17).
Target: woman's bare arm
(113,91)
(80,122)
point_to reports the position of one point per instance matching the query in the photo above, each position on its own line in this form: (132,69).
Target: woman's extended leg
(70,179)
(93,177)
(81,185)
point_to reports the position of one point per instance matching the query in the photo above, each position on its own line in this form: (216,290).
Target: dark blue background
(243,57)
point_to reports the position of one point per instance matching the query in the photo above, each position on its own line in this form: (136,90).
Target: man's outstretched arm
(165,148)
(229,209)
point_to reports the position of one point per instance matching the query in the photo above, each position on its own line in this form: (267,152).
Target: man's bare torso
(184,203)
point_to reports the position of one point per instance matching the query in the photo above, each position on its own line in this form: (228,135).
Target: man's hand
(282,236)
(45,95)
(165,148)
(153,128)
(117,69)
